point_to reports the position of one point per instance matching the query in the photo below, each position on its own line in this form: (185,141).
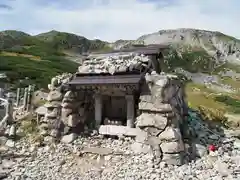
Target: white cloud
(125,19)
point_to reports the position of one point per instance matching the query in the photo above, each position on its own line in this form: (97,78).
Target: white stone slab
(118,130)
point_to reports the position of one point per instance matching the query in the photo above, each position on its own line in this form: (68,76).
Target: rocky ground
(90,158)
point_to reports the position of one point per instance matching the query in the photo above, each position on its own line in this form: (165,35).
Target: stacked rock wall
(51,123)
(162,110)
(73,112)
(66,110)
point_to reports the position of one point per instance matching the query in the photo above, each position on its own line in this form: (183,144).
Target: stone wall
(162,109)
(51,123)
(66,110)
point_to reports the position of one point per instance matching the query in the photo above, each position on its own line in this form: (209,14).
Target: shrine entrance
(114,110)
(114,96)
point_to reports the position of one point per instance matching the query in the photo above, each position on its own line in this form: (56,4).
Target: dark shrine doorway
(114,110)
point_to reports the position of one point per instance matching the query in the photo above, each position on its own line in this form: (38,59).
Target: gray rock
(172,147)
(200,150)
(140,148)
(141,137)
(48,139)
(162,82)
(153,141)
(3,140)
(236,144)
(54,133)
(7,131)
(69,94)
(222,168)
(170,134)
(43,132)
(173,159)
(151,120)
(54,81)
(213,137)
(53,104)
(52,114)
(10,143)
(69,138)
(66,112)
(54,96)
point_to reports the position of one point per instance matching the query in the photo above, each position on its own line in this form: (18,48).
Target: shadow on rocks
(200,132)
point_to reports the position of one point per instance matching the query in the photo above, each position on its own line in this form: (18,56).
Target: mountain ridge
(209,60)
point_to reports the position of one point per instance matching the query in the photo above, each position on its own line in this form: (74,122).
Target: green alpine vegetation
(43,56)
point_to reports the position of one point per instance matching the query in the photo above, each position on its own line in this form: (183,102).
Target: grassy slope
(40,57)
(199,96)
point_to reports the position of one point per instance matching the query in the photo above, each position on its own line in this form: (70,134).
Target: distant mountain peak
(14,33)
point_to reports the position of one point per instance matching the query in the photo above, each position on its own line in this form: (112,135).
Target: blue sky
(119,19)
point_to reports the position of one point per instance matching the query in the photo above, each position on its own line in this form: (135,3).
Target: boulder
(200,150)
(154,107)
(54,133)
(12,131)
(69,138)
(172,147)
(54,96)
(52,114)
(170,134)
(54,82)
(10,143)
(3,140)
(151,120)
(69,94)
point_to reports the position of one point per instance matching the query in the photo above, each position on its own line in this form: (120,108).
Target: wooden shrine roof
(106,79)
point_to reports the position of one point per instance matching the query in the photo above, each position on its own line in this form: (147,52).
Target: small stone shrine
(122,93)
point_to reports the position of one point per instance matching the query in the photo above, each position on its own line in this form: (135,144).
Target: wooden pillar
(130,111)
(98,109)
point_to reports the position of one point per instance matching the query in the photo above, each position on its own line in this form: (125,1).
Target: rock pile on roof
(114,63)
(124,60)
